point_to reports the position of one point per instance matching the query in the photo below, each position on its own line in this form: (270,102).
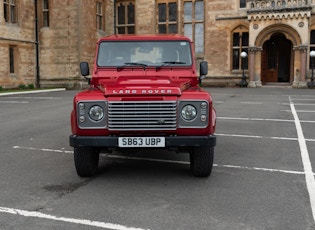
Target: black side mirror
(84,68)
(203,70)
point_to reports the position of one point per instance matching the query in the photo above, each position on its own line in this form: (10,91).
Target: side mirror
(203,70)
(84,68)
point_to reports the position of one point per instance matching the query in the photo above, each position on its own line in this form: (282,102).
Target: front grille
(152,115)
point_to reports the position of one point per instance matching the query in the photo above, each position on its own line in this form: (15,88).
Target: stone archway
(290,47)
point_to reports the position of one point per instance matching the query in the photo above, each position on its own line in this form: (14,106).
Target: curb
(32,91)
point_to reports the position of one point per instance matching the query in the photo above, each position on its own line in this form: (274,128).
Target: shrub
(31,86)
(22,86)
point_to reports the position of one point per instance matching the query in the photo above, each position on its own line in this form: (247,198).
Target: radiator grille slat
(152,115)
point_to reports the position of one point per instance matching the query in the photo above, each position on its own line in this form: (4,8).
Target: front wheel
(201,161)
(86,161)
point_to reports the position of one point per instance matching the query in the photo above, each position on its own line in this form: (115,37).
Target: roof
(146,37)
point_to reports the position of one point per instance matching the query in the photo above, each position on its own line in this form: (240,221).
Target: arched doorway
(276,59)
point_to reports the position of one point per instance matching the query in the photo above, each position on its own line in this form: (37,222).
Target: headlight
(96,113)
(189,112)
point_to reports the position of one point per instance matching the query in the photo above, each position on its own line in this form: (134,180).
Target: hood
(139,86)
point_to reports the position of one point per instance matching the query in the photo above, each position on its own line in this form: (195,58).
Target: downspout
(37,46)
(114,16)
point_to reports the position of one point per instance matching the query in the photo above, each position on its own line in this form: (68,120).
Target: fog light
(82,119)
(203,118)
(203,105)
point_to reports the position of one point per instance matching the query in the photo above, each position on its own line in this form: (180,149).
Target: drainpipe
(114,16)
(37,46)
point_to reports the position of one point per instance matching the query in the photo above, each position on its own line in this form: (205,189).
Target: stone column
(303,65)
(254,58)
(251,67)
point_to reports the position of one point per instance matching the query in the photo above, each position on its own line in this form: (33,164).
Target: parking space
(262,178)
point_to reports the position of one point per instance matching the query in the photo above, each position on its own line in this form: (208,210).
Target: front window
(240,44)
(167,17)
(144,53)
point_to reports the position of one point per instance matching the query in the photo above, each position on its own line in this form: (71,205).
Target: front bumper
(170,141)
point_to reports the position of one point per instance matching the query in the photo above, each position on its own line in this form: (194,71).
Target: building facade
(42,42)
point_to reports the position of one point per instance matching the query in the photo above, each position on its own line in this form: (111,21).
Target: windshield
(144,53)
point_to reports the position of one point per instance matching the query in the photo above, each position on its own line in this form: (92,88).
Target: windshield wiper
(131,64)
(167,63)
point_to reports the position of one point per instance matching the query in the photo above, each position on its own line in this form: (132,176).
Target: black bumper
(170,141)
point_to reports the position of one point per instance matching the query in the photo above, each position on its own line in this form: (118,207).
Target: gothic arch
(290,34)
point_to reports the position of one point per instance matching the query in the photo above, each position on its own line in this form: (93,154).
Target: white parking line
(253,119)
(40,215)
(309,175)
(14,102)
(261,119)
(166,161)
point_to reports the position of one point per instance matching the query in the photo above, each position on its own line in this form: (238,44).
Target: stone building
(42,42)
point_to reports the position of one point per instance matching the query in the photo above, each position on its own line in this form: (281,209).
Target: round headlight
(96,113)
(189,112)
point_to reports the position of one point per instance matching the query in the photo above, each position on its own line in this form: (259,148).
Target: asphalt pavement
(263,176)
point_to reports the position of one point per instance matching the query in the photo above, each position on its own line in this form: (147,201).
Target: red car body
(140,103)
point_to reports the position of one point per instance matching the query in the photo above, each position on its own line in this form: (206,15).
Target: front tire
(201,161)
(86,161)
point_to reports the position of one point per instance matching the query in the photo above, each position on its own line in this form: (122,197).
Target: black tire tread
(86,161)
(201,161)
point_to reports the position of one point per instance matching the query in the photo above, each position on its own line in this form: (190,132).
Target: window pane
(172,12)
(245,60)
(199,39)
(6,12)
(131,14)
(12,12)
(162,12)
(313,37)
(188,31)
(46,6)
(199,10)
(245,37)
(46,19)
(236,56)
(131,30)
(121,30)
(172,29)
(242,3)
(162,29)
(236,39)
(11,54)
(121,14)
(312,60)
(188,11)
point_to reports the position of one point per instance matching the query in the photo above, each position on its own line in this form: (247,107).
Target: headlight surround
(91,114)
(189,112)
(193,114)
(96,113)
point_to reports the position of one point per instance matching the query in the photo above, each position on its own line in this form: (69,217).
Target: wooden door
(269,68)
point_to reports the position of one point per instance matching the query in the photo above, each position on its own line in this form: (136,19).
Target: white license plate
(125,142)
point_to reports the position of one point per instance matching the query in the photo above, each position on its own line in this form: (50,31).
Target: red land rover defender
(144,93)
